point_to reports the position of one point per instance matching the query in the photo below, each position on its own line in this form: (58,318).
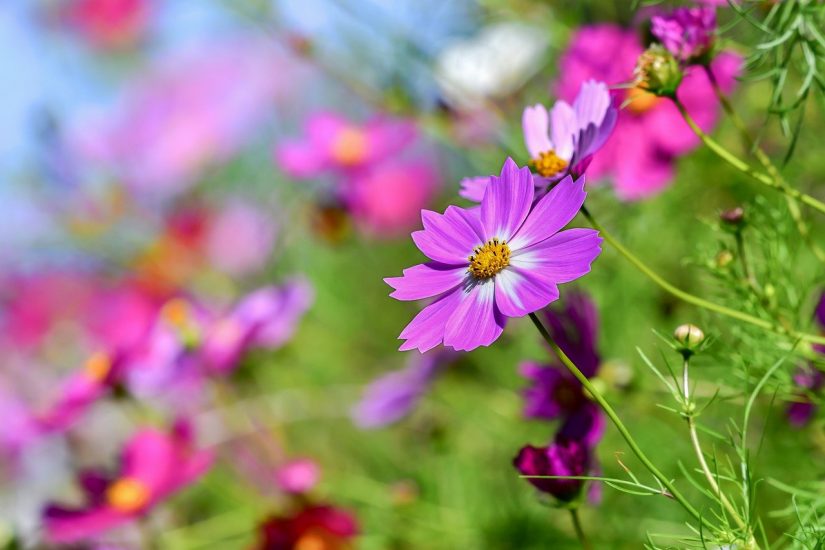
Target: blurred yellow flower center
(350,146)
(489,258)
(313,541)
(177,312)
(548,164)
(640,100)
(127,495)
(97,366)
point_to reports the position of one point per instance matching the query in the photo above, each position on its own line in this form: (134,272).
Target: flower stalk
(577,526)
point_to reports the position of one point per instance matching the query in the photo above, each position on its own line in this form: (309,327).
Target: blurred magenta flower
(394,395)
(319,526)
(563,457)
(154,465)
(333,143)
(808,380)
(298,475)
(387,199)
(650,133)
(504,259)
(194,110)
(109,23)
(239,238)
(265,318)
(688,33)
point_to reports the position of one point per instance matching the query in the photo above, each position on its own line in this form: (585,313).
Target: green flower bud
(658,72)
(689,337)
(724,259)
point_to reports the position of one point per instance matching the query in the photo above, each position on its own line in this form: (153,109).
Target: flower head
(808,381)
(154,465)
(658,72)
(319,526)
(563,457)
(503,259)
(688,33)
(298,476)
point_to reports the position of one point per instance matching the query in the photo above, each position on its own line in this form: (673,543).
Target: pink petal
(535,124)
(641,170)
(563,128)
(475,322)
(150,458)
(426,330)
(552,212)
(507,201)
(425,281)
(450,237)
(561,258)
(299,160)
(473,188)
(68,526)
(521,291)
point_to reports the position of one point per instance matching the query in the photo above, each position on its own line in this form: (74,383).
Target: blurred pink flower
(387,200)
(195,109)
(109,23)
(298,476)
(333,143)
(650,134)
(153,466)
(239,238)
(265,318)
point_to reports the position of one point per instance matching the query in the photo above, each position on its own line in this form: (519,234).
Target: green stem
(608,410)
(765,161)
(695,300)
(744,167)
(574,515)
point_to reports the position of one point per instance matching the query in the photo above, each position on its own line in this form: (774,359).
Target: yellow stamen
(97,366)
(313,541)
(350,147)
(640,100)
(177,313)
(489,258)
(548,164)
(127,495)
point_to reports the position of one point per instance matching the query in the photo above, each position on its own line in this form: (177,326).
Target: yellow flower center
(640,100)
(548,164)
(312,540)
(97,366)
(127,495)
(489,258)
(350,147)
(177,312)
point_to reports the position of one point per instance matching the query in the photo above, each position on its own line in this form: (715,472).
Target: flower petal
(473,188)
(506,201)
(522,291)
(426,330)
(426,280)
(551,213)
(535,124)
(450,237)
(476,321)
(563,127)
(561,258)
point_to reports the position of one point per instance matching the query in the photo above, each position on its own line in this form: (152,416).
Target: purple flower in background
(266,318)
(504,259)
(808,380)
(688,33)
(563,457)
(334,143)
(239,238)
(394,395)
(820,310)
(298,475)
(564,140)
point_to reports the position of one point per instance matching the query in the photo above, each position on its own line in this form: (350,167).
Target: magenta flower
(312,526)
(563,457)
(153,466)
(809,381)
(650,133)
(109,23)
(503,259)
(688,33)
(239,238)
(387,199)
(298,476)
(333,143)
(394,395)
(266,318)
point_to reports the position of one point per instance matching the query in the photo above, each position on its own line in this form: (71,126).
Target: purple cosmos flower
(808,380)
(688,33)
(504,259)
(154,465)
(563,457)
(561,142)
(394,395)
(820,310)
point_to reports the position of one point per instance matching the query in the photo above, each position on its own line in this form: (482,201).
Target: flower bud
(658,72)
(724,259)
(564,457)
(689,336)
(733,218)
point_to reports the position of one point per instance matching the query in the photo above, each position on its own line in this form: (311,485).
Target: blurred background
(174,171)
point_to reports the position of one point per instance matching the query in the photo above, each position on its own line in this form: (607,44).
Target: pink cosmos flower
(563,457)
(266,318)
(239,238)
(332,143)
(196,109)
(562,141)
(688,33)
(312,526)
(386,200)
(504,259)
(298,475)
(109,23)
(153,466)
(650,133)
